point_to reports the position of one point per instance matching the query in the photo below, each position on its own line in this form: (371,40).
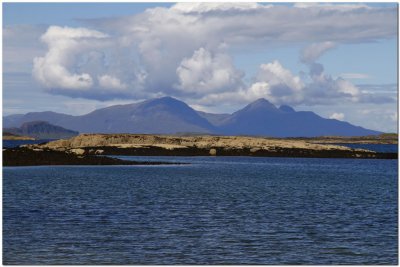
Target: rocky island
(91,149)
(202,145)
(384,139)
(11,136)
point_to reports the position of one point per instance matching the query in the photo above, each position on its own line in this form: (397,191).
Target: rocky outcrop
(172,142)
(166,145)
(23,156)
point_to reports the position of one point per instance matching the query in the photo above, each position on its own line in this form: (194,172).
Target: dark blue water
(215,211)
(16,143)
(390,148)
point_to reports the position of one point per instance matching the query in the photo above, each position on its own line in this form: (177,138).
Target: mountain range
(41,130)
(168,115)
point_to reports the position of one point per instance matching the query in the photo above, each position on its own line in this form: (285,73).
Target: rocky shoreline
(383,139)
(221,151)
(168,145)
(23,156)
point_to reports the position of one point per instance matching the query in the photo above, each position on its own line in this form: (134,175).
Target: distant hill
(11,136)
(41,130)
(264,119)
(161,115)
(168,115)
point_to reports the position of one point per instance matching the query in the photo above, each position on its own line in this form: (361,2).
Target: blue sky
(218,65)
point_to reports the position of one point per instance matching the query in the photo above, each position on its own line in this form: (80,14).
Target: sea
(215,210)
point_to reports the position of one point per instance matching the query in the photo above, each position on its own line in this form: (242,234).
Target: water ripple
(215,211)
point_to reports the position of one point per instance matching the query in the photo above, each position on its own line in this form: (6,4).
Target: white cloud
(111,82)
(76,65)
(64,43)
(276,75)
(337,116)
(206,7)
(346,87)
(278,84)
(206,72)
(329,6)
(182,51)
(312,52)
(259,90)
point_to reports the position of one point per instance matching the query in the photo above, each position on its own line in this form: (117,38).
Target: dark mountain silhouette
(263,118)
(286,108)
(55,118)
(161,115)
(41,130)
(168,115)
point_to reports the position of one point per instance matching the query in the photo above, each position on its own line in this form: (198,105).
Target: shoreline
(246,152)
(206,145)
(17,138)
(93,149)
(21,156)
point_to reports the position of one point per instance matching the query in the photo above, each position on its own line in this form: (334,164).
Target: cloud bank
(183,51)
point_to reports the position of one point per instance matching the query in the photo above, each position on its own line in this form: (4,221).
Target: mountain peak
(168,115)
(260,103)
(287,109)
(165,100)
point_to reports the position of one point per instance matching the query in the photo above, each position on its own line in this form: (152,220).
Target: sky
(338,60)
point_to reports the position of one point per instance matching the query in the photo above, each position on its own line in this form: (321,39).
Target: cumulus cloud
(206,72)
(337,116)
(314,51)
(111,82)
(183,51)
(75,65)
(278,76)
(277,84)
(280,86)
(64,43)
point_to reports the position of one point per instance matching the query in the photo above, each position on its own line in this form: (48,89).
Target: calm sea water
(217,210)
(391,148)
